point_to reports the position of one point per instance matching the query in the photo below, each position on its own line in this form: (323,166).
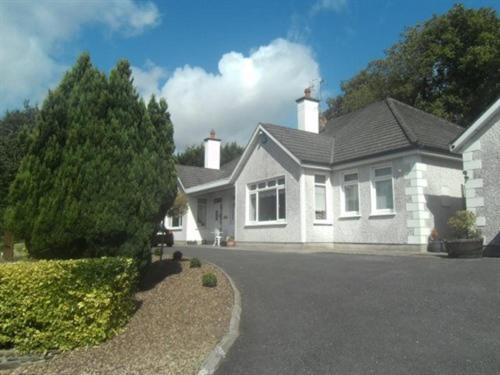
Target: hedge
(64,304)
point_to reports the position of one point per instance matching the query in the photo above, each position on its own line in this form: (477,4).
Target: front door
(218,213)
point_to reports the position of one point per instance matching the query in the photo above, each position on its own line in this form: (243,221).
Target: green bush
(158,252)
(463,224)
(177,256)
(209,280)
(64,304)
(195,263)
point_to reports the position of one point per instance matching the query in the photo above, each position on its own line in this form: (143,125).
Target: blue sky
(221,64)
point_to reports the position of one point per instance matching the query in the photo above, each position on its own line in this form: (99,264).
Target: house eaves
(226,182)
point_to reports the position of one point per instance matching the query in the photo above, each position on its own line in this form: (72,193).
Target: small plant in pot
(468,242)
(435,245)
(230,242)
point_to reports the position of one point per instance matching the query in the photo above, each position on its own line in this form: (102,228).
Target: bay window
(350,194)
(267,201)
(320,197)
(382,190)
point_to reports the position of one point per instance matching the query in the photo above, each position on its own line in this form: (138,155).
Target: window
(320,197)
(350,194)
(175,221)
(201,218)
(382,190)
(267,201)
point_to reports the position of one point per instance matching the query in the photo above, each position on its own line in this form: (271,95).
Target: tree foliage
(99,172)
(194,155)
(15,128)
(448,66)
(180,205)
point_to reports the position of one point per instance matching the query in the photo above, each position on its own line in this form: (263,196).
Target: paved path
(360,314)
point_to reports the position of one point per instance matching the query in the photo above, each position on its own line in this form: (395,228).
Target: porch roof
(192,176)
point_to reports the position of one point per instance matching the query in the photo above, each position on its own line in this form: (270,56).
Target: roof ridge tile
(440,119)
(401,122)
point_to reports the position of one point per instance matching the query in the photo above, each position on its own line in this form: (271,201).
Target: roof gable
(467,136)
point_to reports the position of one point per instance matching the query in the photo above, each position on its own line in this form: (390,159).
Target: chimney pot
(307,92)
(212,134)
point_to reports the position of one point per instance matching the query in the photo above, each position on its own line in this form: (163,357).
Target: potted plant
(230,242)
(468,242)
(435,245)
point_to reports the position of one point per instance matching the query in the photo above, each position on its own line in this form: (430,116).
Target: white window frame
(327,194)
(181,222)
(343,184)
(277,188)
(373,179)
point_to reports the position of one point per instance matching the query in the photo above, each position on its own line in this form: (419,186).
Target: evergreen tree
(15,128)
(448,66)
(98,173)
(194,155)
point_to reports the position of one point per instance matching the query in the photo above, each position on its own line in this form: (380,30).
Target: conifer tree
(99,171)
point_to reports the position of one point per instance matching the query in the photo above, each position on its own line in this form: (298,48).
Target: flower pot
(230,243)
(435,246)
(465,248)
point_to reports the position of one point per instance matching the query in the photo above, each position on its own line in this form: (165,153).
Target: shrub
(177,256)
(195,263)
(64,304)
(209,280)
(158,252)
(463,224)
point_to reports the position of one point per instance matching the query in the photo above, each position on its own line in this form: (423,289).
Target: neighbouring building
(382,175)
(480,149)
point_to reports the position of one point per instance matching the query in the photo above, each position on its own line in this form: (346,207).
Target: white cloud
(328,5)
(260,87)
(147,80)
(31,33)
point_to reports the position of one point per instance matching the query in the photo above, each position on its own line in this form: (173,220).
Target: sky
(224,65)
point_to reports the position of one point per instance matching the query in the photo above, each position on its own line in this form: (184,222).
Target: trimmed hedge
(64,304)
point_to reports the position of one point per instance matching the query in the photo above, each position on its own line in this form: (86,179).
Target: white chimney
(308,113)
(212,151)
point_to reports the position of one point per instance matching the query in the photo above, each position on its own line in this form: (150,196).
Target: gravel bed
(178,322)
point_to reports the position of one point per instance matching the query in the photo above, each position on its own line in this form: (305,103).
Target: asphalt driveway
(359,314)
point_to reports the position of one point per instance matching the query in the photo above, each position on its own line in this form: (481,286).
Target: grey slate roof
(379,128)
(192,176)
(307,147)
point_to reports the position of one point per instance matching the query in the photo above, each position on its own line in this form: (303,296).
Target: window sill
(175,229)
(267,224)
(322,222)
(349,216)
(382,214)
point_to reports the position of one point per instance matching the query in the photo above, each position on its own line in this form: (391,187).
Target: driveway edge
(215,357)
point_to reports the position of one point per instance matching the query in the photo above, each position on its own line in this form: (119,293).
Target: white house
(379,176)
(480,148)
